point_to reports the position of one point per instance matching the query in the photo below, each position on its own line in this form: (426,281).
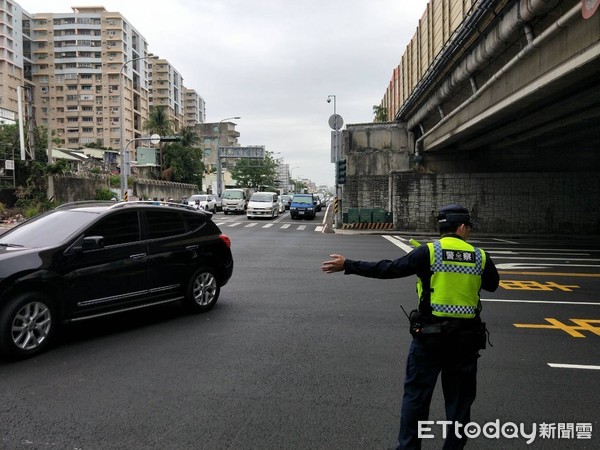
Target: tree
(255,173)
(183,160)
(183,164)
(189,137)
(381,113)
(158,122)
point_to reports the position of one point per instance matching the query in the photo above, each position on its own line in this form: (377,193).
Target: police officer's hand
(333,265)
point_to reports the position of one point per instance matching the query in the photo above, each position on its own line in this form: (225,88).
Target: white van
(235,200)
(263,204)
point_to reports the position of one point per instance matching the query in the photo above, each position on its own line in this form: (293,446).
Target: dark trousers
(458,365)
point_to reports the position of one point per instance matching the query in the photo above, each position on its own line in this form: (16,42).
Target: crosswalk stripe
(250,225)
(285,225)
(319,228)
(234,224)
(269,225)
(301,227)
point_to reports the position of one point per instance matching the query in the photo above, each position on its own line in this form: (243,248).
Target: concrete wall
(375,149)
(514,202)
(71,189)
(517,203)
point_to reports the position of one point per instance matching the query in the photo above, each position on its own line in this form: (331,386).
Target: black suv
(88,259)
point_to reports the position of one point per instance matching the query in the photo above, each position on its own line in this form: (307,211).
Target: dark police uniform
(446,328)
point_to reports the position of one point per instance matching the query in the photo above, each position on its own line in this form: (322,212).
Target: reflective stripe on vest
(456,278)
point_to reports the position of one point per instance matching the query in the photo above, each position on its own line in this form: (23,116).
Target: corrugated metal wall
(440,19)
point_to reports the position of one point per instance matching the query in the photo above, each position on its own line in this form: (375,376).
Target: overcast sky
(274,62)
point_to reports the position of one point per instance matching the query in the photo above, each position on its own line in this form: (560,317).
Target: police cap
(454,215)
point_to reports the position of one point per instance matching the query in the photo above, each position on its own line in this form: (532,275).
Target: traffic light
(340,171)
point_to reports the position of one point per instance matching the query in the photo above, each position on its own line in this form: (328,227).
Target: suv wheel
(27,325)
(203,291)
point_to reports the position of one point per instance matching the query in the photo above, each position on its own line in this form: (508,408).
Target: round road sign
(336,122)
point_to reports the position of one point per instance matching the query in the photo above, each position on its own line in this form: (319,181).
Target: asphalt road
(291,358)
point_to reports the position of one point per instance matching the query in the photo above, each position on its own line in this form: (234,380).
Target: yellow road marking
(574,331)
(535,286)
(558,274)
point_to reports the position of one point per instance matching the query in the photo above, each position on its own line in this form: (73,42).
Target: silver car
(206,202)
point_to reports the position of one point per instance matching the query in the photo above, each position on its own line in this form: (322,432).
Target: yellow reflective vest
(456,269)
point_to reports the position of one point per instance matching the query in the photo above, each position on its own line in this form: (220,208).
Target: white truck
(235,200)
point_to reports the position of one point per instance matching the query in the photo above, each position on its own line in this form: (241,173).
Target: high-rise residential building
(15,58)
(88,77)
(167,91)
(87,65)
(195,109)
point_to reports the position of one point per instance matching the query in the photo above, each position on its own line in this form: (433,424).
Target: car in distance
(218,203)
(303,206)
(89,259)
(235,200)
(281,205)
(322,200)
(203,201)
(263,204)
(287,200)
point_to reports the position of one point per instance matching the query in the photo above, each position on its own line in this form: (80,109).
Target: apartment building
(15,59)
(167,91)
(90,69)
(195,108)
(88,76)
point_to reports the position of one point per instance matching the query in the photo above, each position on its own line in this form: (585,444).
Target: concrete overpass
(503,117)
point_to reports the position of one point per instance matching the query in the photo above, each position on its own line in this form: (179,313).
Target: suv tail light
(225,239)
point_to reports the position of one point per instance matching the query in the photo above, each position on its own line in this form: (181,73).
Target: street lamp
(219,181)
(336,154)
(329,97)
(125,165)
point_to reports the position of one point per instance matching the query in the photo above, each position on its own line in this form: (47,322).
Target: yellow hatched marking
(536,286)
(591,325)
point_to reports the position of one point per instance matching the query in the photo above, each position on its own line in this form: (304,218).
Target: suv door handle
(138,256)
(192,248)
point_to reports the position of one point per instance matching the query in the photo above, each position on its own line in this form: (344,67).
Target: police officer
(446,328)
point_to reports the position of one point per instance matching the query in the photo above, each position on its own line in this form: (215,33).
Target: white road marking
(285,225)
(250,225)
(301,227)
(504,240)
(547,302)
(268,225)
(319,228)
(573,366)
(397,243)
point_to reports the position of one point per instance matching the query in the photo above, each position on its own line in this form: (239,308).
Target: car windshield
(303,200)
(233,195)
(201,198)
(48,230)
(261,198)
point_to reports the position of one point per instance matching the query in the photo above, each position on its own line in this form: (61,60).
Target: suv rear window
(164,223)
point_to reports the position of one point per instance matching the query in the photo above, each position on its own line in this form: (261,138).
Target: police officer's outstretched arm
(490,279)
(336,264)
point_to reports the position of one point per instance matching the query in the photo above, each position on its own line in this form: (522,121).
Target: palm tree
(189,137)
(158,122)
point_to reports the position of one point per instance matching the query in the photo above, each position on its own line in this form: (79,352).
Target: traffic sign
(155,139)
(336,122)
